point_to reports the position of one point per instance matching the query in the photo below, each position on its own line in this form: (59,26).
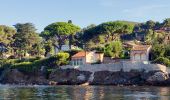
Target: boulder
(69,76)
(81,77)
(158,77)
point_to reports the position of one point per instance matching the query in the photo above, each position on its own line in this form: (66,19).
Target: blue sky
(81,12)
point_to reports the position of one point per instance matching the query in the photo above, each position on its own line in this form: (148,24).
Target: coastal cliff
(122,73)
(77,77)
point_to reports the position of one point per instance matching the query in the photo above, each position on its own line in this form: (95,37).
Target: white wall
(139,56)
(91,57)
(63,48)
(114,67)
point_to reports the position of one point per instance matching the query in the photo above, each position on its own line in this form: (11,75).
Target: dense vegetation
(26,48)
(34,64)
(106,32)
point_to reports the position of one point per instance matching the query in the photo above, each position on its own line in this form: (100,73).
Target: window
(81,61)
(73,62)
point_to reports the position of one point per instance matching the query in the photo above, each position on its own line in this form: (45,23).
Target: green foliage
(99,49)
(108,31)
(150,24)
(166,23)
(59,32)
(62,58)
(167,51)
(55,61)
(24,66)
(113,49)
(6,35)
(104,37)
(34,64)
(162,60)
(157,51)
(160,53)
(125,54)
(6,38)
(26,39)
(61,28)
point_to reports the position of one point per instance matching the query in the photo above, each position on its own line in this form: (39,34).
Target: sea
(71,92)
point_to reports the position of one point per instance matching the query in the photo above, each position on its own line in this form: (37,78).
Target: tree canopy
(59,32)
(113,49)
(6,34)
(166,22)
(26,37)
(107,32)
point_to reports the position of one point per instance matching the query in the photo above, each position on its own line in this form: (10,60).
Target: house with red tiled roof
(86,57)
(140,53)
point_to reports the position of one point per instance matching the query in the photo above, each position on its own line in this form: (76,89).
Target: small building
(84,57)
(66,48)
(140,53)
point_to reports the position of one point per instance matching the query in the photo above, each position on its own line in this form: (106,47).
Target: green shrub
(8,62)
(162,60)
(24,66)
(113,49)
(168,57)
(30,59)
(34,64)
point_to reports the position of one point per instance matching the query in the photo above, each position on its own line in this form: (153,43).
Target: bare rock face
(77,77)
(116,78)
(69,76)
(158,77)
(17,77)
(81,77)
(14,76)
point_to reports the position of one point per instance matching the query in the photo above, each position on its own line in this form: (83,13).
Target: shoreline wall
(125,66)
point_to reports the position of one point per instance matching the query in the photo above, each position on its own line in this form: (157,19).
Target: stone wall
(125,66)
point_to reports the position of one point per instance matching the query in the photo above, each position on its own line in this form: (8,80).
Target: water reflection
(83,93)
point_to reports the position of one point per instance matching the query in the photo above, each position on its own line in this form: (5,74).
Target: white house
(66,48)
(84,57)
(140,53)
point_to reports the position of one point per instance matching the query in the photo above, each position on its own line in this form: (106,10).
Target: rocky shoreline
(76,77)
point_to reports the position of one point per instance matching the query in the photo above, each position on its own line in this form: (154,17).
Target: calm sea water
(83,93)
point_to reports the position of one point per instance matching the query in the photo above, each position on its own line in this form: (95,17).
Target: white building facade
(140,53)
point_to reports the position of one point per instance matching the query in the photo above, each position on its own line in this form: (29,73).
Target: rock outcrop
(116,78)
(15,76)
(69,76)
(77,77)
(158,77)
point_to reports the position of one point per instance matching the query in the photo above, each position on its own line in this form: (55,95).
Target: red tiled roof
(140,47)
(79,54)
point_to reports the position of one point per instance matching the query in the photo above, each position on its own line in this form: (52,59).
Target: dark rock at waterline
(69,76)
(157,78)
(76,77)
(117,78)
(14,76)
(130,78)
(73,77)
